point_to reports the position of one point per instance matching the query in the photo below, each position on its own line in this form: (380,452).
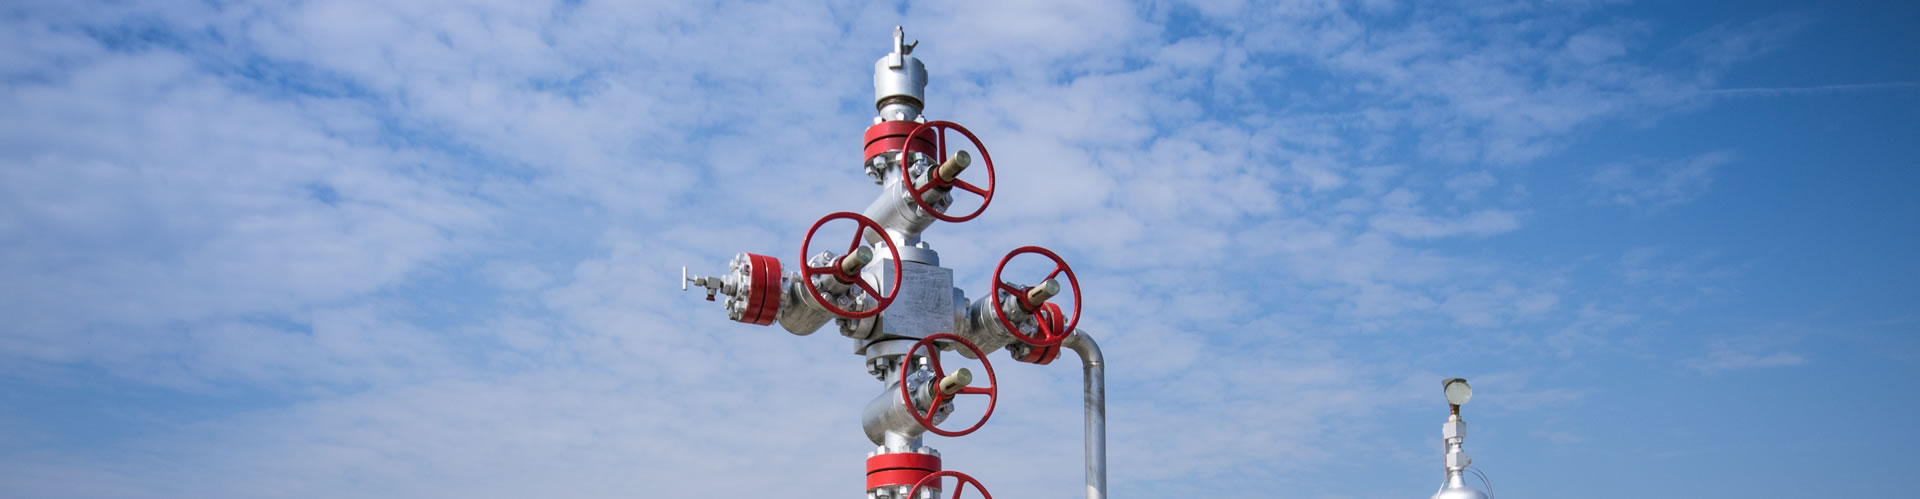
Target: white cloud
(1735,354)
(1467,187)
(445,236)
(1719,361)
(1502,303)
(1479,223)
(1655,185)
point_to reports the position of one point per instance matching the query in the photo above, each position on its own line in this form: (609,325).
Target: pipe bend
(1093,369)
(1084,345)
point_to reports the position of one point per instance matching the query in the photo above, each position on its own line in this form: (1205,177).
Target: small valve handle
(1030,299)
(946,174)
(839,268)
(992,390)
(960,482)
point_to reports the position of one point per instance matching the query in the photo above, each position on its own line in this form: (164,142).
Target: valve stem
(951,169)
(955,381)
(851,264)
(1039,294)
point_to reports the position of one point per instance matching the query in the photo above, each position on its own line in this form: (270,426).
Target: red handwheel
(934,180)
(1048,332)
(960,482)
(808,272)
(992,390)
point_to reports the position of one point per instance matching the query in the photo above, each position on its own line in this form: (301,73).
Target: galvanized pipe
(895,209)
(1095,372)
(887,418)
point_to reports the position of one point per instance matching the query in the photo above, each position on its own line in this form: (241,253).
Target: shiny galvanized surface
(888,420)
(1453,435)
(1456,488)
(895,209)
(925,303)
(799,313)
(1094,370)
(899,81)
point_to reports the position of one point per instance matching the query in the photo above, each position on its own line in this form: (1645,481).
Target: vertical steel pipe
(1095,372)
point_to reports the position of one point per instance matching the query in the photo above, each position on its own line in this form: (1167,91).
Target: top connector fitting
(900,81)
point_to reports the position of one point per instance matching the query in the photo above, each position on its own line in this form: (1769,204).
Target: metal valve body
(888,292)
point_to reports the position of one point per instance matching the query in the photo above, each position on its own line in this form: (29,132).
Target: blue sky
(429,249)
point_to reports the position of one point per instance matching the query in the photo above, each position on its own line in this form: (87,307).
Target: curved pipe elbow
(1088,350)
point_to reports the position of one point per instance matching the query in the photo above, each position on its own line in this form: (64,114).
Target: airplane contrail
(1818,89)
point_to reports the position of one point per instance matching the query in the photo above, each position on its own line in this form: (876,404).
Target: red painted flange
(902,468)
(992,391)
(961,480)
(1044,354)
(1049,333)
(940,142)
(892,136)
(808,272)
(763,290)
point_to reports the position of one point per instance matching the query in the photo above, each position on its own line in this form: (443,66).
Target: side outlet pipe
(1095,373)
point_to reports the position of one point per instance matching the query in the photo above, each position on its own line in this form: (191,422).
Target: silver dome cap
(1456,488)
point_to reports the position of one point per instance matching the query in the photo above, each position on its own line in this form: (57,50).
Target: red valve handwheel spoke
(1048,336)
(970,187)
(918,192)
(939,144)
(808,272)
(921,189)
(992,390)
(960,482)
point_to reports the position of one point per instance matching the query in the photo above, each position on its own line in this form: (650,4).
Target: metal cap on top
(900,81)
(1454,434)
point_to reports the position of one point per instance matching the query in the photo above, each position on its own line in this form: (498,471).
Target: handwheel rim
(960,482)
(940,147)
(1041,327)
(992,391)
(808,272)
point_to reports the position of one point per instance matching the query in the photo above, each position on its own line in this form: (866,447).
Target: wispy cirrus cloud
(1655,185)
(441,238)
(1735,354)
